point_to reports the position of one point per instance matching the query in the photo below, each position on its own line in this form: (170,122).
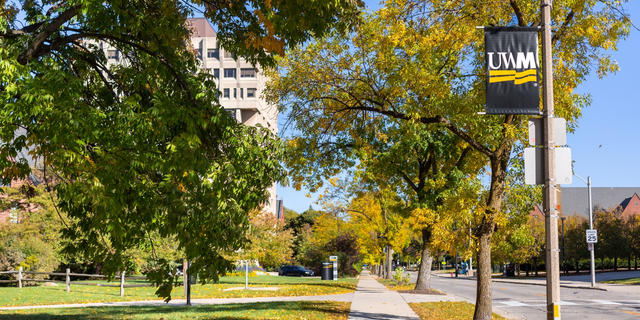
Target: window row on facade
(238,93)
(232,73)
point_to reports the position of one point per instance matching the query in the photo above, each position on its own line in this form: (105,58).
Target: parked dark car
(297,271)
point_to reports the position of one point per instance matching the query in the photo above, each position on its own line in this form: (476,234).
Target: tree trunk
(389,263)
(629,262)
(499,164)
(483,293)
(615,264)
(424,273)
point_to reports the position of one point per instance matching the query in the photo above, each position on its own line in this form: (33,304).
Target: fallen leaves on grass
(446,311)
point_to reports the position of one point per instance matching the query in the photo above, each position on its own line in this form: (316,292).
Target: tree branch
(35,46)
(518,13)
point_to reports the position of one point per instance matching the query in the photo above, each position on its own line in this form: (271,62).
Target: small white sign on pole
(334,259)
(534,166)
(592,236)
(590,246)
(536,129)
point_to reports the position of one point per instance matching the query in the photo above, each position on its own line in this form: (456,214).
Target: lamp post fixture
(593,269)
(564,264)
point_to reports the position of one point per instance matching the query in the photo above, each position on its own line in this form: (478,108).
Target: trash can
(327,271)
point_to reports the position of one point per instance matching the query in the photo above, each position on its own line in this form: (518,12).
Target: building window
(251,92)
(213,53)
(216,73)
(113,54)
(235,91)
(228,54)
(233,113)
(229,73)
(13,215)
(241,95)
(636,203)
(225,93)
(200,54)
(248,73)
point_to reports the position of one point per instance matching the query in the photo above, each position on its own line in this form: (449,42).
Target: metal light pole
(550,197)
(564,264)
(593,264)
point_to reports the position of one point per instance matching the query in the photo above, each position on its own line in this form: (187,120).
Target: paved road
(529,301)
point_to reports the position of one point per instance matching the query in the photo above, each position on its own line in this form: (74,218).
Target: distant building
(279,210)
(240,83)
(576,200)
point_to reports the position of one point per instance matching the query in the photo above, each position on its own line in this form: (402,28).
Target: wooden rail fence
(20,279)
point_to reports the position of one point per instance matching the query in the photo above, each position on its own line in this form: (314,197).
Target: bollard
(122,284)
(68,280)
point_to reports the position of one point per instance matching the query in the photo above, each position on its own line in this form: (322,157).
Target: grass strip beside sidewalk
(331,310)
(394,286)
(289,286)
(446,311)
(632,281)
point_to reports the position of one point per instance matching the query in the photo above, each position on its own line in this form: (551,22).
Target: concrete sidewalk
(372,300)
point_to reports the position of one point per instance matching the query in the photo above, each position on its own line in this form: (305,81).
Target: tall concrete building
(240,83)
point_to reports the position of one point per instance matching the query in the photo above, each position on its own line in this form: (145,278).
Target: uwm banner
(511,55)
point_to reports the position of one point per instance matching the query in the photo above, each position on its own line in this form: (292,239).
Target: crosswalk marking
(606,302)
(514,303)
(538,303)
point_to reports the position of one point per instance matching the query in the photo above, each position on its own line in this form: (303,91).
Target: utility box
(327,271)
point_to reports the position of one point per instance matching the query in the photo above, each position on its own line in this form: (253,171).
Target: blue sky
(606,144)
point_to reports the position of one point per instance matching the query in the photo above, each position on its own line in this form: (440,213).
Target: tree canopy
(421,63)
(143,148)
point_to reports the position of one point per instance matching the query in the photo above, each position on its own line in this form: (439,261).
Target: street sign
(536,129)
(534,166)
(590,246)
(334,259)
(592,236)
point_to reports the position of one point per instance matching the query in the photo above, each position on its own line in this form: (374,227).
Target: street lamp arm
(583,180)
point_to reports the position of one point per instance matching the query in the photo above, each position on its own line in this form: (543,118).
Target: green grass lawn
(266,310)
(289,286)
(446,311)
(632,281)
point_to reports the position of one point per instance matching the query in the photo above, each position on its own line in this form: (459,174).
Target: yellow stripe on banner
(526,79)
(502,79)
(526,73)
(502,73)
(511,75)
(556,311)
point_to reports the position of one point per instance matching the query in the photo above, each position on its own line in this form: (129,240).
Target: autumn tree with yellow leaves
(421,63)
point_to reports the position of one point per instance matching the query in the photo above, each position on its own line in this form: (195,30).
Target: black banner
(511,56)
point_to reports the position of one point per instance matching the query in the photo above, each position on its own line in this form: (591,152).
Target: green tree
(611,241)
(143,148)
(575,240)
(34,242)
(268,242)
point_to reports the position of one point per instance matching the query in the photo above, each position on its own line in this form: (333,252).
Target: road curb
(544,285)
(530,283)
